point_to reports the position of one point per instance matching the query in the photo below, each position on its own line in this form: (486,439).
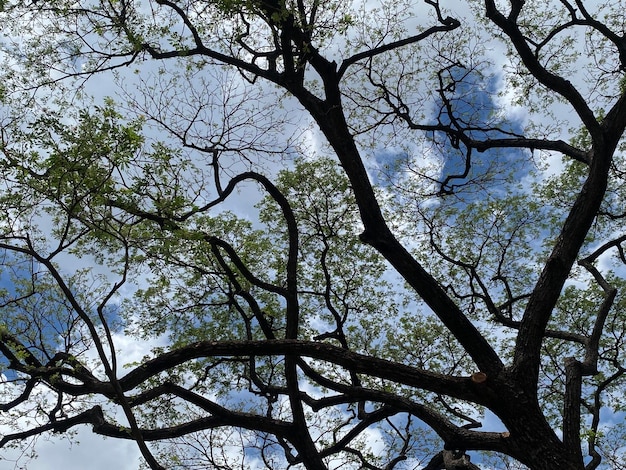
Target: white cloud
(93,452)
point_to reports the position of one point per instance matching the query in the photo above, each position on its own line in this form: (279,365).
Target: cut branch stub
(479,377)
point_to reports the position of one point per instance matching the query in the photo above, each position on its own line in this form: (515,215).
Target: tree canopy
(316,234)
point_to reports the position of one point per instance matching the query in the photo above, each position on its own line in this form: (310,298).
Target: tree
(464,269)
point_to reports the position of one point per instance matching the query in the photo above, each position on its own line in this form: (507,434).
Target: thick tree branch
(449,24)
(377,233)
(460,387)
(552,81)
(556,271)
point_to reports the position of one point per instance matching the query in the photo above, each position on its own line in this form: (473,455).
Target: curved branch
(554,82)
(618,41)
(449,24)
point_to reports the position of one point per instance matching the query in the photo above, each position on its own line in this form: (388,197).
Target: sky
(101,454)
(91,452)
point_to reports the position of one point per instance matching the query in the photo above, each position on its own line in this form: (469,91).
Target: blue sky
(474,99)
